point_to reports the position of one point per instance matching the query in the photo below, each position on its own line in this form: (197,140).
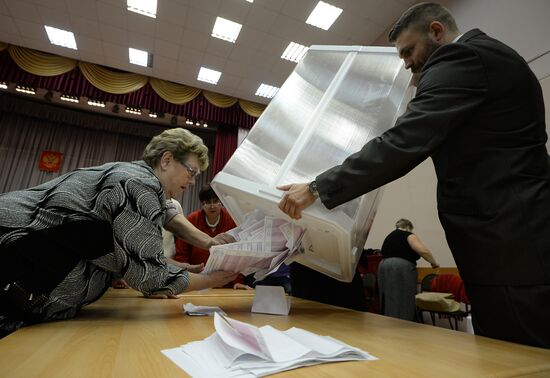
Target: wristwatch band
(313,189)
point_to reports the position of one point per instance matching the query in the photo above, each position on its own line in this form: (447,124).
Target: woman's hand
(240,286)
(223,238)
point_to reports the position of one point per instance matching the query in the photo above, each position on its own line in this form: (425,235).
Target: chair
(442,295)
(371,292)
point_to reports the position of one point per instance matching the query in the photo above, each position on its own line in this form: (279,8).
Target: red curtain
(226,144)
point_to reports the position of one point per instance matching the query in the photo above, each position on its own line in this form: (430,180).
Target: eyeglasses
(212,202)
(192,171)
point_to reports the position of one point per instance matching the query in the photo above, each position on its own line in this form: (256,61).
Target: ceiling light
(205,124)
(100,104)
(209,76)
(69,98)
(25,89)
(145,7)
(61,37)
(250,1)
(153,115)
(3,85)
(133,110)
(294,52)
(324,15)
(140,57)
(265,90)
(226,30)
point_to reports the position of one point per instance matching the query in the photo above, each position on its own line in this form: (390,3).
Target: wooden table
(122,334)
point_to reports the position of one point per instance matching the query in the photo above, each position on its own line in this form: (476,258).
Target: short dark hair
(419,17)
(207,193)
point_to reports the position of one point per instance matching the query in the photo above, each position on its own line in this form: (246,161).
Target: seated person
(212,219)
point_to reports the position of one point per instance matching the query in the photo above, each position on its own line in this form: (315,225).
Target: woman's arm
(419,247)
(183,229)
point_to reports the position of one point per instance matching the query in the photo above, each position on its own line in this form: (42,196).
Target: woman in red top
(212,219)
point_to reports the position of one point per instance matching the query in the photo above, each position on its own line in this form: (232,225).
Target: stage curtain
(110,81)
(172,92)
(251,108)
(219,100)
(39,63)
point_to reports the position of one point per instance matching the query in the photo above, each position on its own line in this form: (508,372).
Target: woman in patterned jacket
(61,241)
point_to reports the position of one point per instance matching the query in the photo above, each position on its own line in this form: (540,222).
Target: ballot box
(336,99)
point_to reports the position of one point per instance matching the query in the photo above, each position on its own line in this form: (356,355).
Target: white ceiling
(179,38)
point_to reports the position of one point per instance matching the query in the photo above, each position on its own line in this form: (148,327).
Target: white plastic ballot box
(336,99)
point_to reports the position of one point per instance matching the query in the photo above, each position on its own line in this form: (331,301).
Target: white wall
(524,26)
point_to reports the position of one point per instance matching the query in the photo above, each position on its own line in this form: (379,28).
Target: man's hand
(223,238)
(297,198)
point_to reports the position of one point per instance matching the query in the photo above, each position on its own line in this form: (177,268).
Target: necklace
(212,225)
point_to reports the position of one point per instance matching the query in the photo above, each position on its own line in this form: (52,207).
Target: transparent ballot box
(336,99)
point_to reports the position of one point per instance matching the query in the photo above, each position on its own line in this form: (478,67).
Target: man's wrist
(312,187)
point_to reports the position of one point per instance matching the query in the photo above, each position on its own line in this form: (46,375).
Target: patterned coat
(127,198)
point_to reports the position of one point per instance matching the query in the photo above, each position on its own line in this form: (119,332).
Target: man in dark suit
(479,114)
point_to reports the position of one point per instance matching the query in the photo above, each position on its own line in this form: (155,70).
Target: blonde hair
(404,223)
(180,143)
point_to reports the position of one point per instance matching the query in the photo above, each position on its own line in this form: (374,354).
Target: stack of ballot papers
(262,244)
(239,349)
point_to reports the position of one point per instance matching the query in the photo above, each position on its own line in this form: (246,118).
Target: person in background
(169,246)
(479,114)
(212,219)
(61,241)
(397,276)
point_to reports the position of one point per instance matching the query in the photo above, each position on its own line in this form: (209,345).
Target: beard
(429,48)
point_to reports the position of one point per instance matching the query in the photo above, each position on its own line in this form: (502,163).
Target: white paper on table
(191,309)
(239,349)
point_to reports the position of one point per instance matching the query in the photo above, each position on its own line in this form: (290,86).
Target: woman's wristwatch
(312,186)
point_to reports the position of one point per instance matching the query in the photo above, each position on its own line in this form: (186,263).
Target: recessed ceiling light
(3,85)
(250,1)
(209,76)
(140,57)
(294,52)
(145,7)
(61,37)
(324,15)
(226,30)
(265,90)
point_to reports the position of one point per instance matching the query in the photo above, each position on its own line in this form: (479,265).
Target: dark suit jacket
(479,114)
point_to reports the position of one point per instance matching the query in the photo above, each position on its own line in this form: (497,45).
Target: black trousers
(520,314)
(309,284)
(32,266)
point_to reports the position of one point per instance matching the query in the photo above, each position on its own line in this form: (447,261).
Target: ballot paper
(192,310)
(239,349)
(262,244)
